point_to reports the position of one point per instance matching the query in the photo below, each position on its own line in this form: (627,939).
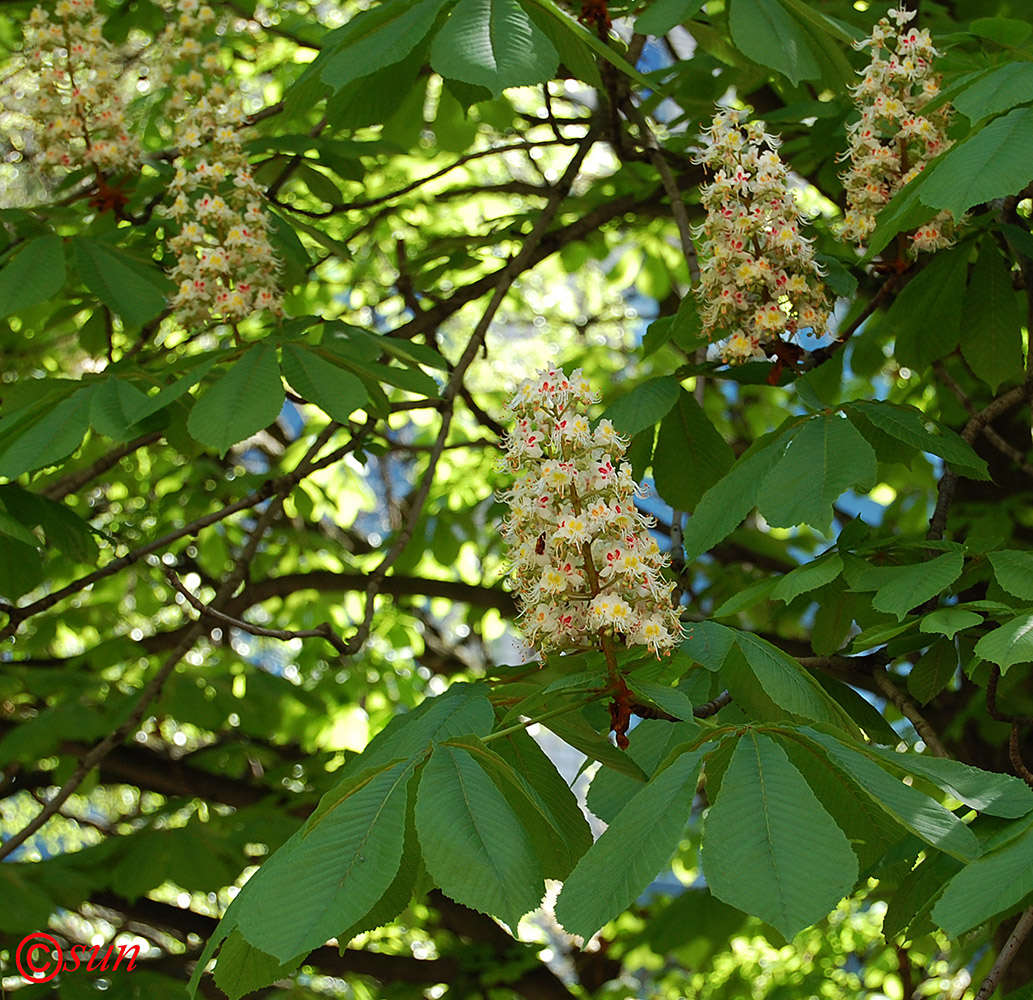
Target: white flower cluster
(758,276)
(893,141)
(225,265)
(583,558)
(76,92)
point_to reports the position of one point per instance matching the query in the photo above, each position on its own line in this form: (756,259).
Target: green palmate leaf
(912,427)
(21,567)
(949,621)
(917,892)
(242,968)
(756,670)
(634,848)
(1014,571)
(330,872)
(33,274)
(670,699)
(244,400)
(870,830)
(127,286)
(769,846)
(1010,644)
(380,38)
(553,794)
(808,577)
(998,91)
(662,15)
(917,812)
(1003,30)
(990,885)
(117,405)
(991,163)
(935,670)
(336,392)
(475,847)
(728,501)
(825,458)
(575,729)
(910,586)
(63,529)
(690,455)
(644,405)
(926,316)
(769,34)
(991,329)
(652,742)
(748,597)
(493,44)
(583,37)
(988,792)
(52,436)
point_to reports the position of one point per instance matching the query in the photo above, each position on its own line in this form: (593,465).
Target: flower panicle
(583,559)
(897,134)
(759,281)
(225,265)
(79,90)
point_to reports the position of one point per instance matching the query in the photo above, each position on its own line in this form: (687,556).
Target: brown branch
(62,487)
(949,479)
(910,712)
(1006,954)
(153,689)
(712,707)
(324,631)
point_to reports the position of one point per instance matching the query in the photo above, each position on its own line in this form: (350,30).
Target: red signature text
(40,957)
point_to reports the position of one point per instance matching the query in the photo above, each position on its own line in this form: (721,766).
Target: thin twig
(324,631)
(910,712)
(1006,954)
(712,707)
(157,683)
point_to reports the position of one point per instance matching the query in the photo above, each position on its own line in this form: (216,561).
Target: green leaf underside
(32,275)
(634,848)
(1014,571)
(917,812)
(766,32)
(990,884)
(727,502)
(1010,644)
(399,27)
(474,844)
(990,793)
(910,586)
(663,15)
(243,401)
(55,435)
(644,405)
(332,871)
(825,458)
(125,285)
(998,91)
(991,163)
(808,577)
(991,328)
(493,44)
(769,846)
(690,454)
(242,968)
(909,425)
(336,392)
